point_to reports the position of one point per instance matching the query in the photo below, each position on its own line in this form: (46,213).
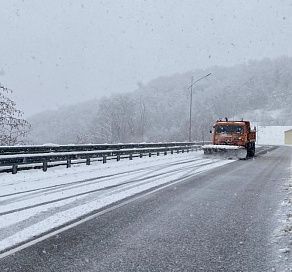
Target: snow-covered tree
(13,128)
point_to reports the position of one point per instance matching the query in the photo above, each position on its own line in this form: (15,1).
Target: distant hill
(259,91)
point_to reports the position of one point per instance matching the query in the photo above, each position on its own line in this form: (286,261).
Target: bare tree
(13,128)
(115,120)
(141,120)
(101,127)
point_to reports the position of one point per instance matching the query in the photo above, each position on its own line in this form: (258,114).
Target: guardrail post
(118,157)
(130,156)
(177,151)
(171,151)
(183,151)
(103,159)
(150,154)
(165,153)
(45,166)
(14,168)
(158,153)
(188,150)
(68,163)
(88,161)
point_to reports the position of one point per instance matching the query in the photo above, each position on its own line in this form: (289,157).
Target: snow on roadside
(283,233)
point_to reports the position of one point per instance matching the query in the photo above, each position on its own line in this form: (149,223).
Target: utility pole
(191,104)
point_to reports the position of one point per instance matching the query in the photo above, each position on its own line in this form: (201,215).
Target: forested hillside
(260,91)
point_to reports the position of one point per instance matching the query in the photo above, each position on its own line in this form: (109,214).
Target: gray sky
(57,52)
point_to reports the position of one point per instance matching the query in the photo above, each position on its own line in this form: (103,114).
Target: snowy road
(219,220)
(34,202)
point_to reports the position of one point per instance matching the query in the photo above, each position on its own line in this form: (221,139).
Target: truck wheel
(250,150)
(253,149)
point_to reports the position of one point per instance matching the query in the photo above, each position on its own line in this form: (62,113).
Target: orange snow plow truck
(232,139)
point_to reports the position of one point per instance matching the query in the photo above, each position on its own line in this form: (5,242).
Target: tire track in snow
(134,181)
(68,186)
(61,186)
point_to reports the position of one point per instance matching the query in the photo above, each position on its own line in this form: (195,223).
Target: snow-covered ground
(34,202)
(271,135)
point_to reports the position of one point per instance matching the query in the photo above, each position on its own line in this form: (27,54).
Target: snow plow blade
(226,151)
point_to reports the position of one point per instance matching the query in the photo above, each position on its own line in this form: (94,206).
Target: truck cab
(235,133)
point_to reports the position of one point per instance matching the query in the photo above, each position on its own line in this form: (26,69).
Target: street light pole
(191,104)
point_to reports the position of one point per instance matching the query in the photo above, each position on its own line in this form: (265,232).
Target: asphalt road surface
(221,220)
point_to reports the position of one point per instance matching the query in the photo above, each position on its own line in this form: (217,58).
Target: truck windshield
(229,129)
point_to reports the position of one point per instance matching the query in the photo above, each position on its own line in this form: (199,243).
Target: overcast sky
(57,52)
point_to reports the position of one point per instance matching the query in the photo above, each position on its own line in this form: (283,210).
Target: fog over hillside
(259,91)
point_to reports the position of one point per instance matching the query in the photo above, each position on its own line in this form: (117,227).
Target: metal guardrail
(15,158)
(52,148)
